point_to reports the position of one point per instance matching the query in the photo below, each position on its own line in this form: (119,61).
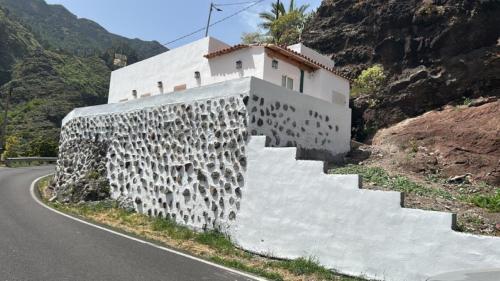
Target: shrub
(369,81)
(43,147)
(13,147)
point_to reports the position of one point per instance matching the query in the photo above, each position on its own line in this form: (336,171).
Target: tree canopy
(281,25)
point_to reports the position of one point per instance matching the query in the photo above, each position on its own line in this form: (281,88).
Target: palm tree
(277,11)
(269,17)
(302,9)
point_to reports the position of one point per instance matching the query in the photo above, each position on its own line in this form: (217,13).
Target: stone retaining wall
(199,158)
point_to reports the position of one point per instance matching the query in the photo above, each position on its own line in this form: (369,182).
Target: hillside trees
(54,62)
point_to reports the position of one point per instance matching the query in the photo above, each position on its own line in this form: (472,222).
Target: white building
(208,61)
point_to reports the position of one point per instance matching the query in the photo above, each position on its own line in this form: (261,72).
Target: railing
(9,162)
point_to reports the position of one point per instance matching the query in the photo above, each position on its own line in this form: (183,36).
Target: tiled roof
(281,49)
(226,51)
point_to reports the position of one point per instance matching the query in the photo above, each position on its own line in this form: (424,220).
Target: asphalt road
(38,244)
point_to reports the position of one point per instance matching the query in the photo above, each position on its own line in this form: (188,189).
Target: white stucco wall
(223,68)
(178,66)
(319,130)
(329,87)
(284,68)
(321,84)
(143,76)
(291,209)
(189,156)
(308,52)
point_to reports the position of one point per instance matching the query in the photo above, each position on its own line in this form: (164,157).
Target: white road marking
(32,191)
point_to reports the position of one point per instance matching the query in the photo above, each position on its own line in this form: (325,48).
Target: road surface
(39,244)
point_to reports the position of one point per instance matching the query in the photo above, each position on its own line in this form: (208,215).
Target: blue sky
(165,20)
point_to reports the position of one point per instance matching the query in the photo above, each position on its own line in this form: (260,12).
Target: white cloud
(250,18)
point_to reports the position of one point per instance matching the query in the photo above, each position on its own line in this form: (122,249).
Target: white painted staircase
(291,209)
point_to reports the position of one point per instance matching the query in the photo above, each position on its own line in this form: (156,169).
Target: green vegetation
(237,264)
(466,101)
(302,266)
(57,29)
(490,202)
(53,62)
(379,177)
(253,37)
(217,241)
(286,29)
(45,87)
(281,26)
(15,42)
(211,245)
(369,81)
(310,266)
(172,229)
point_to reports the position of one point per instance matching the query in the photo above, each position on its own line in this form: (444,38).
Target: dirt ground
(456,150)
(452,142)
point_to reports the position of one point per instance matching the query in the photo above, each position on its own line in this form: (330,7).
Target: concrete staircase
(291,208)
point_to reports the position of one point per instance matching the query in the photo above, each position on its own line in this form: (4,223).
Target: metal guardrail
(10,161)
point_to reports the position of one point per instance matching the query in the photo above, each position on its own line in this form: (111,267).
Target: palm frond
(291,8)
(302,9)
(267,16)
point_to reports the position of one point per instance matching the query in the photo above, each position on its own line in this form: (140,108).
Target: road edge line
(35,197)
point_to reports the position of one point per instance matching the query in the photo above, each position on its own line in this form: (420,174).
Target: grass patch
(379,177)
(217,241)
(172,229)
(311,267)
(209,245)
(490,202)
(233,263)
(302,266)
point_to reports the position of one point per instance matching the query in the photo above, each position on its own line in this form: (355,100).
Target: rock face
(435,52)
(81,171)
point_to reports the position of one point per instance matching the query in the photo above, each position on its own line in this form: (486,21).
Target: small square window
(283,81)
(160,84)
(134,93)
(197,75)
(239,64)
(274,64)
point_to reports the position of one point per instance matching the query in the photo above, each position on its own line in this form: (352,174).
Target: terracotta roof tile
(226,51)
(279,49)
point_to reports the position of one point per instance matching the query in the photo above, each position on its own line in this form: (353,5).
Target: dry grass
(210,246)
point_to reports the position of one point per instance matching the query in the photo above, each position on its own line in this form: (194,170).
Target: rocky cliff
(434,52)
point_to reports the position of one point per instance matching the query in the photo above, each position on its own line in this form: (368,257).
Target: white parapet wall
(225,156)
(291,209)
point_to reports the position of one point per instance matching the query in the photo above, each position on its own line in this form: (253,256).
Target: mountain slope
(15,42)
(53,62)
(57,28)
(434,52)
(46,86)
